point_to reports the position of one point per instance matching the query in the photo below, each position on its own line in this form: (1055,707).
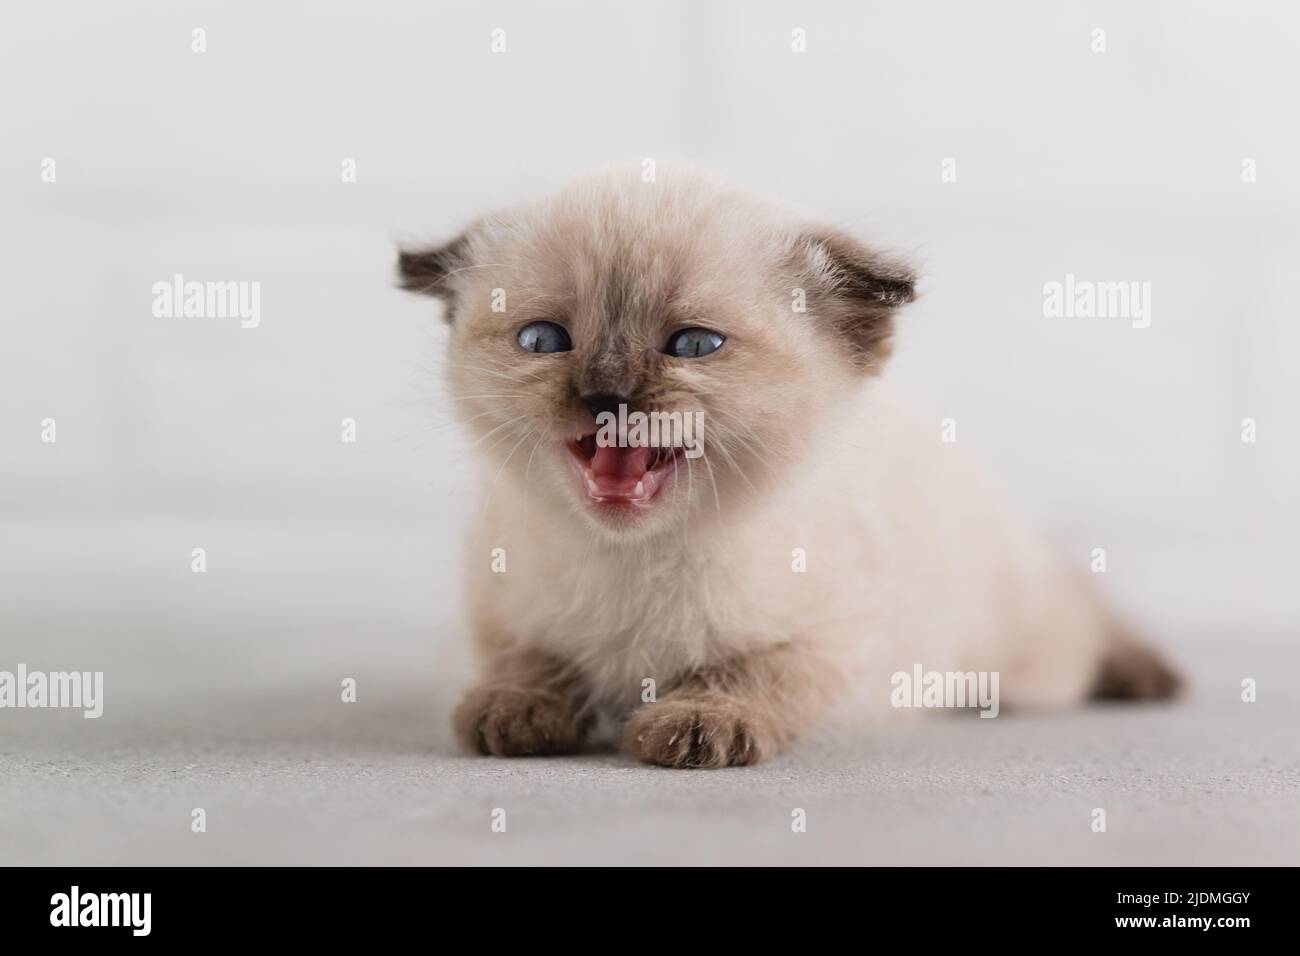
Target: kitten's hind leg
(1129,670)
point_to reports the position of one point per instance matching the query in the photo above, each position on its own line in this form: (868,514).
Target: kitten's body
(906,559)
(825,541)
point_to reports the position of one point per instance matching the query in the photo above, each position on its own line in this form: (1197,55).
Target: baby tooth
(640,489)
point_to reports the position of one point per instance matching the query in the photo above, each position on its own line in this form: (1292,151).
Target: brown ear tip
(412,274)
(426,270)
(859,272)
(899,290)
(404,262)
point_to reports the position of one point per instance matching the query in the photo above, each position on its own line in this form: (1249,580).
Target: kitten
(720,604)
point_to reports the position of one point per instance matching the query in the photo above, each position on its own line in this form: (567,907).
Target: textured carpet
(303,778)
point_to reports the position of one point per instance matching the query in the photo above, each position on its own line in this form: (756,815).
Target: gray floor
(299,777)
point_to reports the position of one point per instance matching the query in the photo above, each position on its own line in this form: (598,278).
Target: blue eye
(544,337)
(692,343)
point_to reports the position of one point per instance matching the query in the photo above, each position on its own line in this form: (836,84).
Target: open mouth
(622,476)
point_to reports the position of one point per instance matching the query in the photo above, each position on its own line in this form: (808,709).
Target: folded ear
(429,271)
(856,290)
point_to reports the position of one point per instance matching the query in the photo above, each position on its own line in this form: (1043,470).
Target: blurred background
(328,560)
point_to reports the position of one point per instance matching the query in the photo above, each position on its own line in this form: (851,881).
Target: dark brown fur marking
(1134,672)
(530,706)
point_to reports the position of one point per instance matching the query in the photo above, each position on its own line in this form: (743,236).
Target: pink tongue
(626,463)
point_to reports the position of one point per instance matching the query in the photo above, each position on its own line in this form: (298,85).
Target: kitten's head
(740,325)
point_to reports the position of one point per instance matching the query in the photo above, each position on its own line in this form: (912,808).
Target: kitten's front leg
(528,704)
(732,714)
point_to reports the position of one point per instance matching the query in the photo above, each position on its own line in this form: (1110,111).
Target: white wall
(225,165)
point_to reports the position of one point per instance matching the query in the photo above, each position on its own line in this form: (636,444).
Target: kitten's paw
(698,732)
(1135,672)
(513,721)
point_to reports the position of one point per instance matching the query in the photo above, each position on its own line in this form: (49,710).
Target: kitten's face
(730,328)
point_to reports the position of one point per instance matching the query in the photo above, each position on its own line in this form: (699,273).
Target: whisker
(487,498)
(716,500)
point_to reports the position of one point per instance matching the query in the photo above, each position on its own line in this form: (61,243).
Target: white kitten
(824,540)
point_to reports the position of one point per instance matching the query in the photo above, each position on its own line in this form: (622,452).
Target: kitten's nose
(598,402)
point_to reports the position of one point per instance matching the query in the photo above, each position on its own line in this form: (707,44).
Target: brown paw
(513,721)
(1134,672)
(697,732)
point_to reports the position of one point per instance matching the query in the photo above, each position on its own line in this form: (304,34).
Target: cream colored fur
(912,555)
